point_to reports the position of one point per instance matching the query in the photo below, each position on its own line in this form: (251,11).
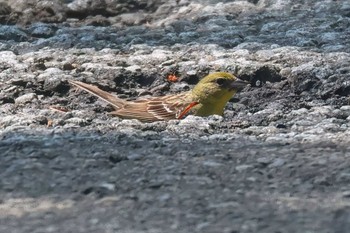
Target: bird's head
(218,87)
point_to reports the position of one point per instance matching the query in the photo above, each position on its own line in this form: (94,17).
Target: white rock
(26,98)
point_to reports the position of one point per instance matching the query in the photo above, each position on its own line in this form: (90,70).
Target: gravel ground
(277,161)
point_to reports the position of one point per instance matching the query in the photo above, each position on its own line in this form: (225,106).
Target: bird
(208,97)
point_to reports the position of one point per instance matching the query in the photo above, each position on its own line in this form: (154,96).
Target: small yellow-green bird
(208,97)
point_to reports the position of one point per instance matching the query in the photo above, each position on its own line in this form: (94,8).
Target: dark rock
(14,33)
(42,30)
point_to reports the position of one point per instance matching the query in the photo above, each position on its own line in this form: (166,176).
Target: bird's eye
(220,81)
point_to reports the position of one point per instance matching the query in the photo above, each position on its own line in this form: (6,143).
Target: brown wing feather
(155,108)
(147,110)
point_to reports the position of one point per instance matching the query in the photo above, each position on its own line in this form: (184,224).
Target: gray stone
(26,98)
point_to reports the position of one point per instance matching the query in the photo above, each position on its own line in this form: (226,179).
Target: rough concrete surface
(277,161)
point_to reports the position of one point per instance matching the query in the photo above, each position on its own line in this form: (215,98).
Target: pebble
(26,98)
(277,163)
(243,167)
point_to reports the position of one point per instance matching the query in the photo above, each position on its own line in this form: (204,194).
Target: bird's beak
(238,85)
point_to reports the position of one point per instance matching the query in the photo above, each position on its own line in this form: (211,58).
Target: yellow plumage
(208,97)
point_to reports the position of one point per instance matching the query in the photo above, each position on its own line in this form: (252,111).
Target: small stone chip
(26,98)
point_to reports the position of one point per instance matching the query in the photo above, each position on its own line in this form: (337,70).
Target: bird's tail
(109,98)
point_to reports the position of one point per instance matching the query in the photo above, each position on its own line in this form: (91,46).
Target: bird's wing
(109,98)
(147,110)
(157,108)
